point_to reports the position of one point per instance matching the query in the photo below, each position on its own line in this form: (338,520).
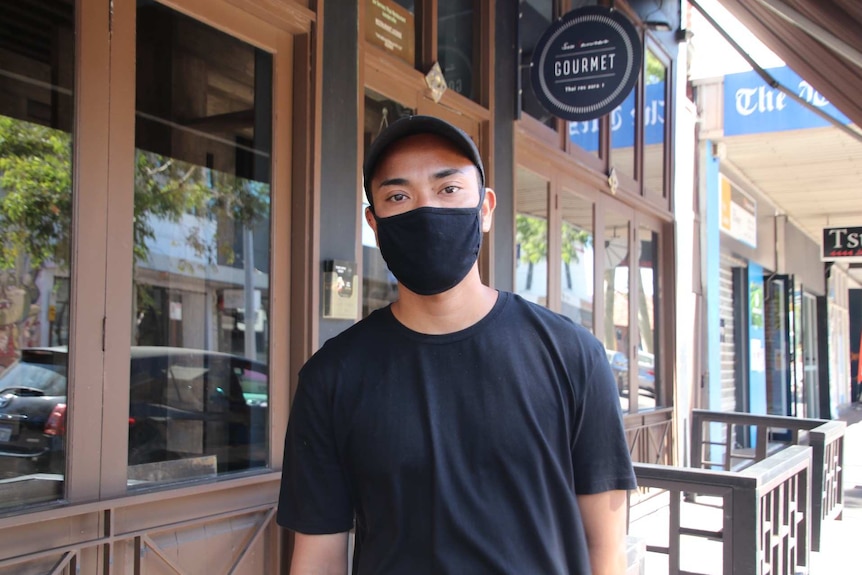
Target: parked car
(183,403)
(646,371)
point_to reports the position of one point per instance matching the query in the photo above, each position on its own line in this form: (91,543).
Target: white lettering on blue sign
(753,107)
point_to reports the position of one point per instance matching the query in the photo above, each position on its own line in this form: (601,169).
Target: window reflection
(37,64)
(379,286)
(586,135)
(456,44)
(577,259)
(622,124)
(648,300)
(653,118)
(199,393)
(616,293)
(531,236)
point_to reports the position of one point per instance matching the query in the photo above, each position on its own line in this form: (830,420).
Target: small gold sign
(436,82)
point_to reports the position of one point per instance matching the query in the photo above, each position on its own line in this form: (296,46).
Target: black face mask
(430,250)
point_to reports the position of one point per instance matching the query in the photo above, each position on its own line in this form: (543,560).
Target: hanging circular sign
(586,63)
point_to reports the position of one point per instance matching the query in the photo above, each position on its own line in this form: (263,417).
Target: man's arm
(604,517)
(319,554)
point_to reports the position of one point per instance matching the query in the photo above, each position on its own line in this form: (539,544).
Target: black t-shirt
(460,453)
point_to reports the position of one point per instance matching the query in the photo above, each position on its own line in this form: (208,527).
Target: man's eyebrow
(445,173)
(394,182)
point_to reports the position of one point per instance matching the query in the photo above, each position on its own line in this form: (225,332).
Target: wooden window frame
(630,185)
(425,13)
(660,198)
(103,196)
(565,177)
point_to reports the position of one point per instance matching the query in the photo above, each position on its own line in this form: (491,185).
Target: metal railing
(765,513)
(730,432)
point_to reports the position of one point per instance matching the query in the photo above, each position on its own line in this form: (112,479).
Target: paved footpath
(841,541)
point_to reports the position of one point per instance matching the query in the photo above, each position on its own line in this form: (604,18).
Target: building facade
(777,317)
(181,226)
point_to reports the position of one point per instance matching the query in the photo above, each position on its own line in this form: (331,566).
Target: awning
(819,39)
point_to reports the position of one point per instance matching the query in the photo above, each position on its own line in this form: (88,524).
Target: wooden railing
(764,514)
(730,432)
(650,436)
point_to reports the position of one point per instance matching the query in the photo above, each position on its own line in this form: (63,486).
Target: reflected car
(646,371)
(184,403)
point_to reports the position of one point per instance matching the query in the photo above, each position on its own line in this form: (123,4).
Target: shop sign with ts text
(844,244)
(586,63)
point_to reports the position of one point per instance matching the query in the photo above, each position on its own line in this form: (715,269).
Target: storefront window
(647,306)
(655,81)
(37,70)
(379,286)
(536,16)
(622,125)
(531,236)
(200,347)
(576,276)
(616,293)
(457,49)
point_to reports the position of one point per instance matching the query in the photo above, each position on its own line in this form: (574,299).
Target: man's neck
(448,312)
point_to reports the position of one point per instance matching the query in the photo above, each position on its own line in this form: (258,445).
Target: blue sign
(586,134)
(586,63)
(752,107)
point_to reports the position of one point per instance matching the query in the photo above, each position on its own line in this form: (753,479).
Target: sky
(713,55)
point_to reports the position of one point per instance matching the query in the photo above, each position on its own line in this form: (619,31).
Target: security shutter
(728,347)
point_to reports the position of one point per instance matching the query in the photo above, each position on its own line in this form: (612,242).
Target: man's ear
(372,223)
(488,205)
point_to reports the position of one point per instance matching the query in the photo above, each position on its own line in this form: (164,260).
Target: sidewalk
(841,541)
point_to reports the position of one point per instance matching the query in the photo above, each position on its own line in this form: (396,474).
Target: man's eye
(451,189)
(397,198)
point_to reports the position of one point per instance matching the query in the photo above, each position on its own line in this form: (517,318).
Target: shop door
(780,377)
(618,312)
(807,362)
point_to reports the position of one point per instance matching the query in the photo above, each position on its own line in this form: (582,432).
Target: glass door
(648,310)
(616,280)
(779,344)
(532,197)
(809,357)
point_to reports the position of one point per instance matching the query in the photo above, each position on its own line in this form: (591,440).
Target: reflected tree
(36,206)
(574,240)
(531,234)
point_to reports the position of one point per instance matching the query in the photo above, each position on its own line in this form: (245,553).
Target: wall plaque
(391,27)
(586,63)
(340,299)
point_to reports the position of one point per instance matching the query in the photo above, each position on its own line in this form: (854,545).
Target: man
(460,430)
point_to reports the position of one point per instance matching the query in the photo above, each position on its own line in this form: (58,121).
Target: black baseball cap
(412,126)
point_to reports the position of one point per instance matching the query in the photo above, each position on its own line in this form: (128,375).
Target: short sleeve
(314,497)
(600,452)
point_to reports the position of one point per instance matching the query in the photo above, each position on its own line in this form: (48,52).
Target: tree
(36,197)
(531,233)
(573,239)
